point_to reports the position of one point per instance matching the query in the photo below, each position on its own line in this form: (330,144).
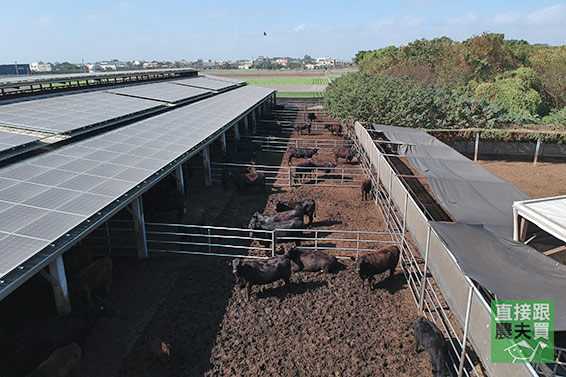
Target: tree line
(484,81)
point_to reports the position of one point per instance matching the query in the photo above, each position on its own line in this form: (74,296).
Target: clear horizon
(222,30)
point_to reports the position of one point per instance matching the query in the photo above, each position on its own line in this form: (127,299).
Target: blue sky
(35,30)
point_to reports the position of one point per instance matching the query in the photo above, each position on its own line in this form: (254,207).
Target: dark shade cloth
(509,269)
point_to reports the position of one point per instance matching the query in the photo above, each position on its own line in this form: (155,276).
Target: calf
(431,338)
(308,206)
(311,261)
(160,349)
(93,279)
(260,272)
(64,362)
(335,129)
(248,180)
(322,163)
(297,212)
(343,152)
(366,188)
(300,153)
(376,262)
(300,127)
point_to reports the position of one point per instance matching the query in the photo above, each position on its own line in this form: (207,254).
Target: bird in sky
(264,34)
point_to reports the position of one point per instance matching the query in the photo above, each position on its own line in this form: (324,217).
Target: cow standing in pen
(376,262)
(366,188)
(261,272)
(428,335)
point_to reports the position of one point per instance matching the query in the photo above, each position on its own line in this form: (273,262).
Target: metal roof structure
(549,214)
(53,78)
(50,201)
(167,91)
(10,141)
(209,83)
(72,112)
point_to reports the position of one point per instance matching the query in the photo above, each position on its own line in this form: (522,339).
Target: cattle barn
(82,147)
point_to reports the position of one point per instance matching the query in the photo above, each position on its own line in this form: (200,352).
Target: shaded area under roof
(511,270)
(70,112)
(162,91)
(42,199)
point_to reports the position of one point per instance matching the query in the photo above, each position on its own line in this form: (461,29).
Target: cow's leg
(391,272)
(287,281)
(416,345)
(248,290)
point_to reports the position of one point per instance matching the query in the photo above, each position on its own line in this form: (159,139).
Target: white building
(40,67)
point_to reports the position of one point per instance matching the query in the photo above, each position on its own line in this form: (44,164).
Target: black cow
(33,344)
(428,335)
(343,152)
(335,129)
(261,272)
(248,180)
(308,206)
(327,165)
(376,262)
(293,223)
(280,216)
(300,153)
(303,260)
(64,362)
(303,169)
(366,188)
(311,117)
(228,171)
(93,280)
(300,127)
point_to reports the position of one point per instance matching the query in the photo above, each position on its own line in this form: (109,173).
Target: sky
(38,30)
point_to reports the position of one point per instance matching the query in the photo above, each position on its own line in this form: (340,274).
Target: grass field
(299,94)
(287,81)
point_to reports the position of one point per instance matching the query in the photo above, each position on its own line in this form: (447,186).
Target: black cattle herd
(52,347)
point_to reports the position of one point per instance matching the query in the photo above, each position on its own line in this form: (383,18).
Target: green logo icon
(522,331)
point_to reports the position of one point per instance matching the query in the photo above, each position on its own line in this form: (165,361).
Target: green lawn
(299,94)
(287,81)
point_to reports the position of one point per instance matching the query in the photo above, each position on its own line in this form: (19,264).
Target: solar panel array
(43,198)
(163,91)
(10,140)
(207,83)
(61,114)
(222,78)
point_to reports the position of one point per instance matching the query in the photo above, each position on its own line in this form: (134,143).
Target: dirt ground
(545,179)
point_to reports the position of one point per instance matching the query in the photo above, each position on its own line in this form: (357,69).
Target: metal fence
(275,144)
(244,243)
(467,305)
(279,176)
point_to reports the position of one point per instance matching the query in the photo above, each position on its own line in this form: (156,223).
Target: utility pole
(16,65)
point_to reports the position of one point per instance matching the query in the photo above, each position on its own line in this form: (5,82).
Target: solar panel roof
(9,140)
(161,91)
(45,197)
(207,83)
(61,114)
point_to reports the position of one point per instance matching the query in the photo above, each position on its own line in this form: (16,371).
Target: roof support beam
(180,178)
(253,121)
(139,227)
(206,162)
(223,141)
(245,124)
(58,280)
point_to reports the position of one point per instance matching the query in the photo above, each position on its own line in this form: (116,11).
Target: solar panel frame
(189,126)
(162,91)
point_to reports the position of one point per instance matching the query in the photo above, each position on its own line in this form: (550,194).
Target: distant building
(93,67)
(40,67)
(281,61)
(245,64)
(325,62)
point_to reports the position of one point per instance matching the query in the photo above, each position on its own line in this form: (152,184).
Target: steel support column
(253,121)
(139,228)
(59,283)
(206,162)
(245,123)
(180,178)
(223,142)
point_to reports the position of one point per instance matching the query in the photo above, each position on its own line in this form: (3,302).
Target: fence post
(466,326)
(404,222)
(209,247)
(109,242)
(289,170)
(537,149)
(273,242)
(358,246)
(316,176)
(476,146)
(316,240)
(423,284)
(342,181)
